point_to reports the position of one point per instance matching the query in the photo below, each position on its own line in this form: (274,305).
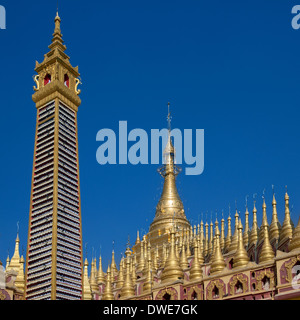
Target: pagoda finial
(169,117)
(57,41)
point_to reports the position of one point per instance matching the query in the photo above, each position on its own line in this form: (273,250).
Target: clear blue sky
(228,67)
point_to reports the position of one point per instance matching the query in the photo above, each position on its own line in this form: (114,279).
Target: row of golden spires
(188,250)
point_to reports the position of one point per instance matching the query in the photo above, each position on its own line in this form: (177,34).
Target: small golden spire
(164,255)
(176,248)
(183,259)
(196,270)
(172,270)
(7,263)
(295,242)
(206,240)
(127,289)
(217,263)
(155,258)
(107,294)
(100,275)
(240,258)
(147,285)
(200,252)
(188,250)
(15,260)
(114,269)
(147,257)
(138,241)
(222,239)
(141,263)
(254,230)
(201,237)
(287,226)
(246,231)
(87,292)
(266,252)
(264,223)
(275,226)
(229,236)
(93,281)
(234,239)
(20,280)
(133,272)
(120,282)
(211,236)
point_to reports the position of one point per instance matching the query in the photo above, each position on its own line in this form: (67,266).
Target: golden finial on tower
(100,275)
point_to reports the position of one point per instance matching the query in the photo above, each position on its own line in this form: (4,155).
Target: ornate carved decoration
(288,265)
(243,279)
(78,82)
(220,285)
(36,80)
(260,276)
(171,291)
(192,290)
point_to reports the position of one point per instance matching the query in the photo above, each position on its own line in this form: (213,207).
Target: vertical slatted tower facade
(54,250)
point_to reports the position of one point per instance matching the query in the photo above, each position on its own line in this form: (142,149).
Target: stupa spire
(254,230)
(287,226)
(266,252)
(240,258)
(275,226)
(170,207)
(217,263)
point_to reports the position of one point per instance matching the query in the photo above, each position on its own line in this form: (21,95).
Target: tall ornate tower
(54,250)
